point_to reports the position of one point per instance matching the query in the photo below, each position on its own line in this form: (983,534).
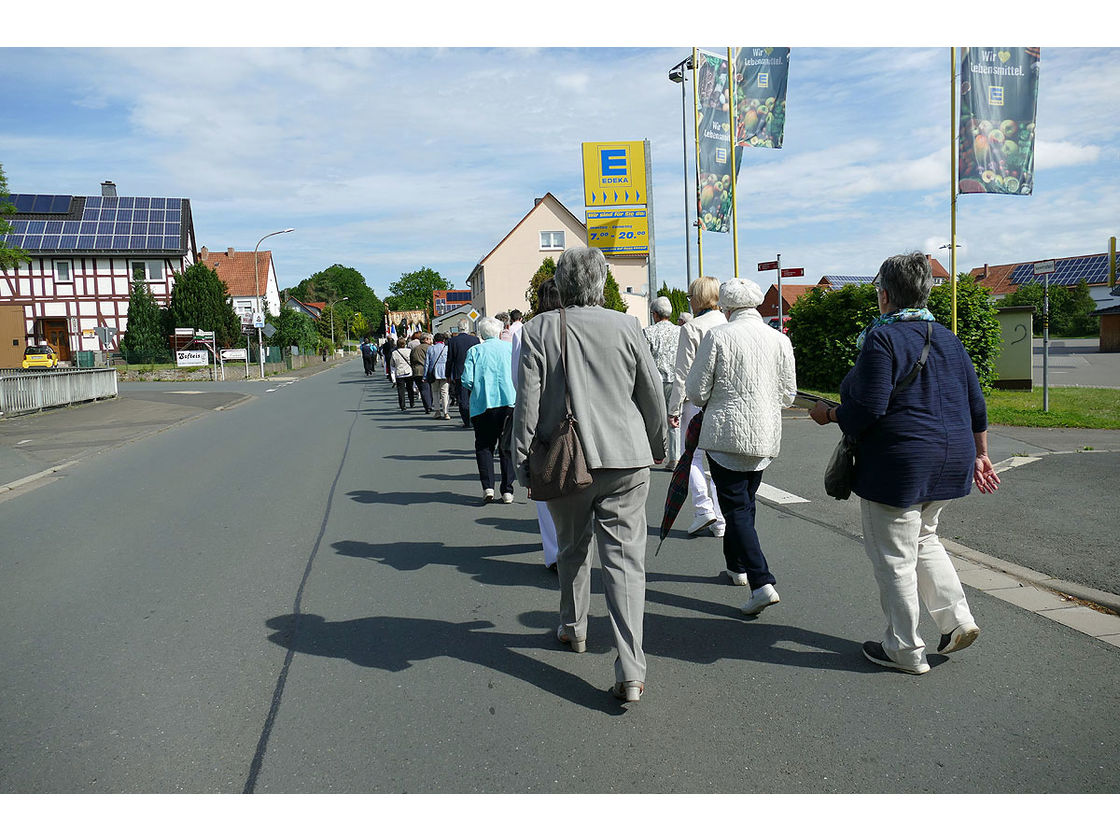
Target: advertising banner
(713,146)
(623,233)
(999,99)
(614,173)
(192,358)
(761,74)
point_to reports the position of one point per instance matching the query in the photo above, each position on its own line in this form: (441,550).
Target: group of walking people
(721,379)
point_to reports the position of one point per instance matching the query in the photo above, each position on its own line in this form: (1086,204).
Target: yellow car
(40,355)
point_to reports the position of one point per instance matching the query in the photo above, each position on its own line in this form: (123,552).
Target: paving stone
(1031,598)
(1086,620)
(985,579)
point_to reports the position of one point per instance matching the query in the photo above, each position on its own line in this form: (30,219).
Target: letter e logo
(613,161)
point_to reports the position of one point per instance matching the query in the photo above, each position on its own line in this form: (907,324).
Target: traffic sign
(473,315)
(767,266)
(793,272)
(1041,268)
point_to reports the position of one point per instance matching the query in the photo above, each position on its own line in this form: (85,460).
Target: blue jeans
(741,549)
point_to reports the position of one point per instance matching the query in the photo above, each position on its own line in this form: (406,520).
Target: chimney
(229,253)
(108,189)
(985,271)
(204,253)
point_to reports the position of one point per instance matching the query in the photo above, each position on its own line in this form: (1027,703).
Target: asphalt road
(301,593)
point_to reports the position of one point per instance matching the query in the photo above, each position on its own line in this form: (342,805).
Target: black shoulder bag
(840,473)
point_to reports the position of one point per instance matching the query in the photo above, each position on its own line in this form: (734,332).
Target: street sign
(235,353)
(1041,268)
(793,272)
(614,173)
(473,315)
(767,266)
(269,331)
(618,232)
(258,320)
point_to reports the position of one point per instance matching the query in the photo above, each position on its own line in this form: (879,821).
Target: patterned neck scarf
(922,314)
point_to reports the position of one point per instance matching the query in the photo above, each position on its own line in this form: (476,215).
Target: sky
(389,155)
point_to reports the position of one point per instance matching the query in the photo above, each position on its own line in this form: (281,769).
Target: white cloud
(1052,155)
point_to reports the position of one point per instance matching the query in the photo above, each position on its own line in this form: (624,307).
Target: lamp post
(257,281)
(676,75)
(333,302)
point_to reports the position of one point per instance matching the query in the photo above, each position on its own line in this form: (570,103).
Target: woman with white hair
(607,380)
(486,374)
(703,297)
(743,377)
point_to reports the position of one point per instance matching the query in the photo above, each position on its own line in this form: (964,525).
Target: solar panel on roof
(68,242)
(1069,272)
(93,201)
(50,242)
(54,227)
(127,201)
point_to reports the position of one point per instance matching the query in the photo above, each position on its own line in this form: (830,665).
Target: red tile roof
(790,293)
(997,278)
(238,271)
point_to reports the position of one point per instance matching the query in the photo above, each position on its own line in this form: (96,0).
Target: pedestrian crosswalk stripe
(780,497)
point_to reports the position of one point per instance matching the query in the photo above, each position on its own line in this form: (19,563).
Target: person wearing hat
(743,376)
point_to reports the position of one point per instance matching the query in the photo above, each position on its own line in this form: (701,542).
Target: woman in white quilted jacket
(743,377)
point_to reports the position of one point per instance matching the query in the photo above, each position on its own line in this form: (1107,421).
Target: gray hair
(464,325)
(581,274)
(907,279)
(489,328)
(684,318)
(663,307)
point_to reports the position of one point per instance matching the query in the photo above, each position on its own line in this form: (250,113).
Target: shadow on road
(402,497)
(394,644)
(443,455)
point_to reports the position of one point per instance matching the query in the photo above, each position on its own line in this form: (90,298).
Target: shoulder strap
(918,365)
(564,359)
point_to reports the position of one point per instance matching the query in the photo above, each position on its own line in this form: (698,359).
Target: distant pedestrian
(515,322)
(435,369)
(684,318)
(457,349)
(402,374)
(920,444)
(663,336)
(367,356)
(387,348)
(419,358)
(505,334)
(486,374)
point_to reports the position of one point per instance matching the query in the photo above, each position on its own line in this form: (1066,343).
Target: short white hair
(489,328)
(663,307)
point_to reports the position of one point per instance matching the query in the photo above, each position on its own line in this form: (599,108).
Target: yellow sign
(614,173)
(619,233)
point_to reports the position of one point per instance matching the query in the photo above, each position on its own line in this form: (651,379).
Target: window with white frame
(552,240)
(149,270)
(62,273)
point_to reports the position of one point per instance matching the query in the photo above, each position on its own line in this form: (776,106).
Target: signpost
(776,265)
(1044,270)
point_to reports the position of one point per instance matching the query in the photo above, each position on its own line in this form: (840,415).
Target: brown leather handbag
(557,466)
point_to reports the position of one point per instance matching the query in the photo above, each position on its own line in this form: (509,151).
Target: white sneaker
(761,598)
(702,521)
(738,579)
(718,529)
(488,494)
(507,498)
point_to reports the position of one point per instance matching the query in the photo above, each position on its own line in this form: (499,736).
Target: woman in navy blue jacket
(917,449)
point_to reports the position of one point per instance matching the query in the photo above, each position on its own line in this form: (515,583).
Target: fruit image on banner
(713,148)
(761,74)
(999,99)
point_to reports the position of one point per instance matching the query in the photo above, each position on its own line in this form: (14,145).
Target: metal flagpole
(696,122)
(734,173)
(780,322)
(953,179)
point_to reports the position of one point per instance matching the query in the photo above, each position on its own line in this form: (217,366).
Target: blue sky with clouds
(391,158)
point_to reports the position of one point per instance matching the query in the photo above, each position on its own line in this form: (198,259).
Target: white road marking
(270,390)
(780,497)
(184,392)
(1014,461)
(22,442)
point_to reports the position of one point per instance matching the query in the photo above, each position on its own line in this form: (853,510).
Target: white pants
(548,533)
(911,564)
(700,482)
(442,387)
(673,452)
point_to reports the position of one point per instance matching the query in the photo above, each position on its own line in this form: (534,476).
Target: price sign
(618,232)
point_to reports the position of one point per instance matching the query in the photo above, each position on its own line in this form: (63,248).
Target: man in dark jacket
(457,348)
(367,356)
(419,356)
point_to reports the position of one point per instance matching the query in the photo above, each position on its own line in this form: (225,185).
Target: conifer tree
(143,341)
(200,300)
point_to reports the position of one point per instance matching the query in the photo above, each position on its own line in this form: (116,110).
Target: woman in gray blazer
(617,400)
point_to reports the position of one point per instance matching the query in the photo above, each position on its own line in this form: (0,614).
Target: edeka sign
(622,233)
(614,173)
(999,99)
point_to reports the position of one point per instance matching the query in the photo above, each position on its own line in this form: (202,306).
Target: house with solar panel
(1002,280)
(84,252)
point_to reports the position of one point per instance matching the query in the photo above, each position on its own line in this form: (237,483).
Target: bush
(824,326)
(1071,308)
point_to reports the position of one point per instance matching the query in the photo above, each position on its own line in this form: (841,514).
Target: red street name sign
(793,272)
(767,266)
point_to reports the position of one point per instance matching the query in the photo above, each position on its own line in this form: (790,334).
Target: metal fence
(25,391)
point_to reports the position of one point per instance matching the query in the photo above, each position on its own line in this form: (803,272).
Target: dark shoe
(959,639)
(553,569)
(629,691)
(875,653)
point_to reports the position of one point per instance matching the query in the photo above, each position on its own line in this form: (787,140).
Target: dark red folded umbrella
(678,484)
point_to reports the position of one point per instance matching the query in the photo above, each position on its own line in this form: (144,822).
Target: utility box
(1015,365)
(85,358)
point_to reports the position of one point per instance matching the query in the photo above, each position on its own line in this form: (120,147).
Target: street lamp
(333,302)
(257,281)
(676,75)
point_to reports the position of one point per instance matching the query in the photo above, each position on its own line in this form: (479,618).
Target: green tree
(293,329)
(337,282)
(359,326)
(335,319)
(1071,308)
(977,324)
(679,299)
(612,299)
(9,257)
(144,341)
(414,290)
(200,299)
(546,271)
